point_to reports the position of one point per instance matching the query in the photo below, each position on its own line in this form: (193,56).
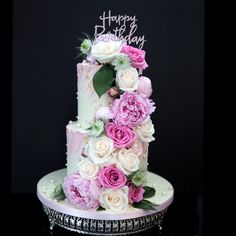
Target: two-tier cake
(107,147)
(106,188)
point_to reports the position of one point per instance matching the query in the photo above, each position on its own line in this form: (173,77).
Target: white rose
(127,161)
(114,199)
(127,80)
(88,169)
(145,131)
(100,149)
(112,160)
(105,52)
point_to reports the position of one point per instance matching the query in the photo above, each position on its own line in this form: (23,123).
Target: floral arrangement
(109,177)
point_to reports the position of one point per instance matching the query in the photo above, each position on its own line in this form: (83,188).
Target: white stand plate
(104,222)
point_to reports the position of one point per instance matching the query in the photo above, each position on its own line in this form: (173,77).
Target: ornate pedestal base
(104,222)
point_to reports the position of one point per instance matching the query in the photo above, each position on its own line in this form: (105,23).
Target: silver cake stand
(105,222)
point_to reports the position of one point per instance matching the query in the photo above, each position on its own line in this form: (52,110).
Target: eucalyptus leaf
(148,192)
(103,79)
(58,193)
(145,205)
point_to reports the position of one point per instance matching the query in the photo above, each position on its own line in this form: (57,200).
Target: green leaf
(145,205)
(103,79)
(113,71)
(100,208)
(58,193)
(148,192)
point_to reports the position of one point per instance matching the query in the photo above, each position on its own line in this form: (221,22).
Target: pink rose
(131,109)
(122,136)
(113,92)
(112,177)
(145,87)
(137,57)
(82,192)
(135,193)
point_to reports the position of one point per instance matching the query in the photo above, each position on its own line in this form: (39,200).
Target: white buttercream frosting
(88,100)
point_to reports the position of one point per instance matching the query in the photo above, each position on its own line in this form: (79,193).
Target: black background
(45,37)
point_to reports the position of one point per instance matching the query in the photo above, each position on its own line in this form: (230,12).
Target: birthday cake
(107,146)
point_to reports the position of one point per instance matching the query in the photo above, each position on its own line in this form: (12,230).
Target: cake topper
(125,27)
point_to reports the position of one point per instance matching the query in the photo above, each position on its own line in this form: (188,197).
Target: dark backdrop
(44,83)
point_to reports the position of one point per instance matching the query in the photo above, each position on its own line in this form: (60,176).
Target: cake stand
(105,222)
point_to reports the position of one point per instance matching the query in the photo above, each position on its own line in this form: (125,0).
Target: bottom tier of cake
(95,222)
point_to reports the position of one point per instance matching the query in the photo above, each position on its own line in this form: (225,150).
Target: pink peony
(137,57)
(112,177)
(131,109)
(145,87)
(82,192)
(135,193)
(122,136)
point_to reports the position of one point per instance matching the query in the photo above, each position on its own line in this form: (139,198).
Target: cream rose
(114,199)
(111,161)
(127,80)
(145,131)
(87,169)
(100,149)
(127,161)
(105,51)
(138,147)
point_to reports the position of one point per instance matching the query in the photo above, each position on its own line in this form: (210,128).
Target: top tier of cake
(88,100)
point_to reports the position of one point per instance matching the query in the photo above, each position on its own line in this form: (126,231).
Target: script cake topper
(123,24)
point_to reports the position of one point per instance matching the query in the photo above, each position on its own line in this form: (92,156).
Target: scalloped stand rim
(103,222)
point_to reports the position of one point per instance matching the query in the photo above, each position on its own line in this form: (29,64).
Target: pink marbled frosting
(76,141)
